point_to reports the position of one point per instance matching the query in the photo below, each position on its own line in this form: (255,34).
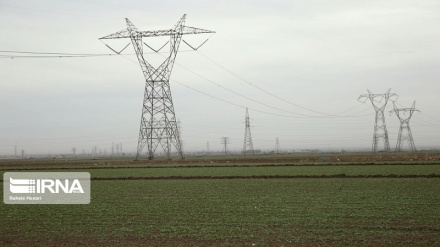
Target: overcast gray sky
(319,55)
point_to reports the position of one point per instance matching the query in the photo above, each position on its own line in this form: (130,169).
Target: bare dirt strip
(234,159)
(268,177)
(20,168)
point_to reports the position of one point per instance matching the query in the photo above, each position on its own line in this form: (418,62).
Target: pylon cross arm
(194,30)
(168,32)
(118,35)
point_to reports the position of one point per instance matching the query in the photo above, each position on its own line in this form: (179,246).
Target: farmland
(229,201)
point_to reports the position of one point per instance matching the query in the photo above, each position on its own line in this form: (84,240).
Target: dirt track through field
(319,158)
(212,166)
(268,177)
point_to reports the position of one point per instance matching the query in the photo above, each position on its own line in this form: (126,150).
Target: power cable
(244,107)
(269,93)
(231,103)
(261,103)
(32,54)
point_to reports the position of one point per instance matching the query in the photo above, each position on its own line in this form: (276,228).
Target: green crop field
(272,170)
(237,204)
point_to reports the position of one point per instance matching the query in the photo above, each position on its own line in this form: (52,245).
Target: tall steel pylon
(158,121)
(405,133)
(248,146)
(380,128)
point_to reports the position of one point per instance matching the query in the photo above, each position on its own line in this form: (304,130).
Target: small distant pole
(277,145)
(225,142)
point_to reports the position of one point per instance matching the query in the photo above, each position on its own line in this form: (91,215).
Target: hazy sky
(319,55)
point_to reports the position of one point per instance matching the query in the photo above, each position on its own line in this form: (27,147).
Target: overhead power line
(264,104)
(269,93)
(33,54)
(253,109)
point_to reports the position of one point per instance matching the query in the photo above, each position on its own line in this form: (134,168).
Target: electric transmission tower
(277,145)
(405,131)
(247,145)
(179,132)
(225,142)
(379,102)
(158,125)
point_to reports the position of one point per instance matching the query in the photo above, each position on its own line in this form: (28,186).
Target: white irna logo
(45,186)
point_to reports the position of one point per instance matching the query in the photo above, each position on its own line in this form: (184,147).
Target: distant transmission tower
(277,145)
(379,102)
(405,131)
(248,147)
(158,122)
(179,132)
(225,142)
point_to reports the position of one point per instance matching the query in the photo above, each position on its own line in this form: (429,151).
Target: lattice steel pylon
(248,146)
(158,122)
(380,128)
(405,133)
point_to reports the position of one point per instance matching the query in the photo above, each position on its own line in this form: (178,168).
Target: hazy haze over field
(319,55)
